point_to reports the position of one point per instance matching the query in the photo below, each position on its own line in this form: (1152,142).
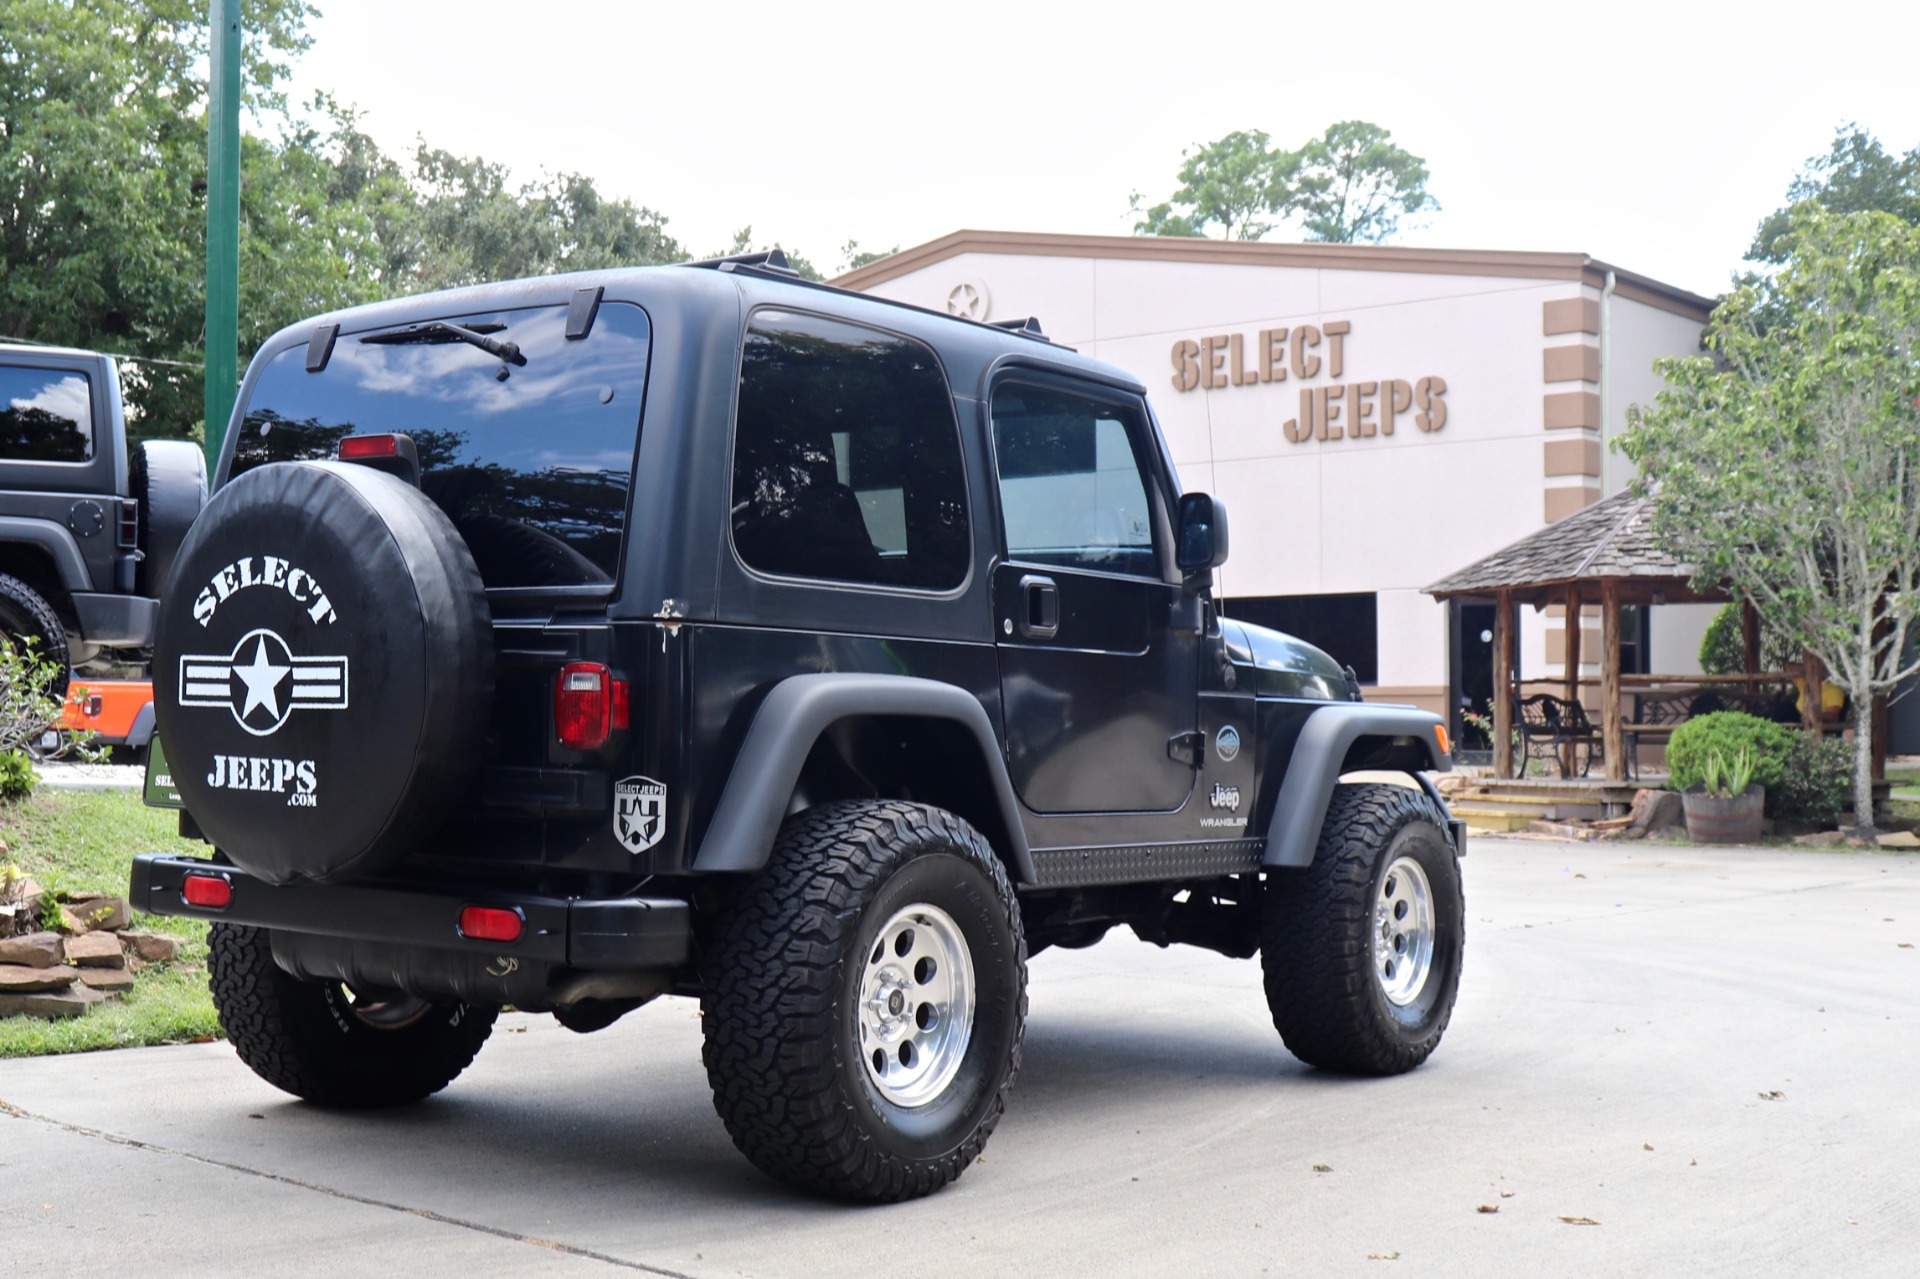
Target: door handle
(1039,607)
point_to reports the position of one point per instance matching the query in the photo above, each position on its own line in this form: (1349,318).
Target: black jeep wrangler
(695,630)
(88,526)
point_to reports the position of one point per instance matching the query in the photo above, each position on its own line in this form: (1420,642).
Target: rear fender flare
(56,541)
(791,719)
(1319,758)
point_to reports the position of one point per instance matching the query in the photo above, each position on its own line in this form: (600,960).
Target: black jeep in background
(695,630)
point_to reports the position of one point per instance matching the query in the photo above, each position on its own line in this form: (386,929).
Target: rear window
(46,415)
(533,469)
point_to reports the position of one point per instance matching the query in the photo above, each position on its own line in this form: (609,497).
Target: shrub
(1816,780)
(1723,650)
(1726,734)
(29,708)
(16,776)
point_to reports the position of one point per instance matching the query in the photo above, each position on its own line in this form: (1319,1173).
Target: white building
(1373,417)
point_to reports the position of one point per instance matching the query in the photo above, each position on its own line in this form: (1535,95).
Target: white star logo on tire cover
(249,682)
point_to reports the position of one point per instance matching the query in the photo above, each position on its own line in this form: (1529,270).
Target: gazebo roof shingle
(1610,539)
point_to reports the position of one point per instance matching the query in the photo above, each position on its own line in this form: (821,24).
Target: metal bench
(1546,724)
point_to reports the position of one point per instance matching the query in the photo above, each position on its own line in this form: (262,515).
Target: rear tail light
(490,923)
(209,892)
(589,704)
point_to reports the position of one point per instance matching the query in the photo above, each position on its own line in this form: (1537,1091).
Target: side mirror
(1202,540)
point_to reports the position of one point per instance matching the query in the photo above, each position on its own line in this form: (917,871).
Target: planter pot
(1723,819)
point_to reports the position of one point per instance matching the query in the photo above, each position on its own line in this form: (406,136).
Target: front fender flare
(1314,770)
(801,707)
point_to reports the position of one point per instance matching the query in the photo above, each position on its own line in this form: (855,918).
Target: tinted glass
(533,470)
(1071,491)
(846,457)
(46,415)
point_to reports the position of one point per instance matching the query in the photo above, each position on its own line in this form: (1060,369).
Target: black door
(1473,671)
(1096,676)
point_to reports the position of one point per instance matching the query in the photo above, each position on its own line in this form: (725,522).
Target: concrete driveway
(1713,1055)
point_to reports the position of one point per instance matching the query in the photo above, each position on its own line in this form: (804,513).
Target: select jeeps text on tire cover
(697,631)
(88,525)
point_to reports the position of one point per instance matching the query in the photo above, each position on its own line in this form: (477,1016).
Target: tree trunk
(1863,765)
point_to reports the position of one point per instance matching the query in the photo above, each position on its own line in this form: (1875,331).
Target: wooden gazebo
(1606,555)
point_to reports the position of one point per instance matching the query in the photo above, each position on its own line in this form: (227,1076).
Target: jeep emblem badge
(1226,743)
(639,812)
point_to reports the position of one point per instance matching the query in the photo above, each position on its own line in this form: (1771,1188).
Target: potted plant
(1726,807)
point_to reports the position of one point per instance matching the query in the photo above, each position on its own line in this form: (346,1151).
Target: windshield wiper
(436,330)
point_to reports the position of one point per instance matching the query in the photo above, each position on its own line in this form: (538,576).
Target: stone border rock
(52,975)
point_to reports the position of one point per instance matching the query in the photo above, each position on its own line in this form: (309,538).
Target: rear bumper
(115,621)
(617,934)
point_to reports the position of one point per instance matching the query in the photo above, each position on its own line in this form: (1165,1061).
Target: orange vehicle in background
(118,712)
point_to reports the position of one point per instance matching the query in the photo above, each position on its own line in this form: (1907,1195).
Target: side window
(46,415)
(846,457)
(1071,491)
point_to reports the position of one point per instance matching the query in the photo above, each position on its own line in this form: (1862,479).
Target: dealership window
(1071,493)
(846,457)
(1345,627)
(46,415)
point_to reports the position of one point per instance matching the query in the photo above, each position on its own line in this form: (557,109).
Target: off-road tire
(24,615)
(1325,992)
(783,970)
(307,1039)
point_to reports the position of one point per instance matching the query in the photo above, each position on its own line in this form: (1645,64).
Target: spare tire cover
(169,484)
(323,670)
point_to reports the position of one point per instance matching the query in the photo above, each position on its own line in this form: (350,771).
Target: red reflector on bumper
(490,923)
(209,892)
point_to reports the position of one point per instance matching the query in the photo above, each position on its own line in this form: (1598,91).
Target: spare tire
(323,670)
(168,481)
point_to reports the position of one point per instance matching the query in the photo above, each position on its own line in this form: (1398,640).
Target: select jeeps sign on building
(1374,417)
(1329,409)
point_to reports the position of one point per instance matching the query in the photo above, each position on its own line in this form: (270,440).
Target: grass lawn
(84,841)
(1906,781)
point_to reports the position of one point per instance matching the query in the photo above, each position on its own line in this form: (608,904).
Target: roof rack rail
(1026,326)
(772,260)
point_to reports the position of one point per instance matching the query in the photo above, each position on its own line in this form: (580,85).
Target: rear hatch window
(533,468)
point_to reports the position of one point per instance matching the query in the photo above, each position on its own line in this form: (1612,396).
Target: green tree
(1787,462)
(1723,649)
(102,179)
(743,242)
(1855,174)
(103,210)
(1355,185)
(1350,185)
(473,223)
(853,257)
(1238,184)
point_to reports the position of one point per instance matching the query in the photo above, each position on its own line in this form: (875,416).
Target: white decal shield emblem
(639,812)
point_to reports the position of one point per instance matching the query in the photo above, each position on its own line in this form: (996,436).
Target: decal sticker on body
(639,812)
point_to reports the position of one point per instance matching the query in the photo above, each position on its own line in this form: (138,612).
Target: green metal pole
(223,222)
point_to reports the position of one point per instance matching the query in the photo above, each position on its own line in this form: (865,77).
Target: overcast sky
(1652,136)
